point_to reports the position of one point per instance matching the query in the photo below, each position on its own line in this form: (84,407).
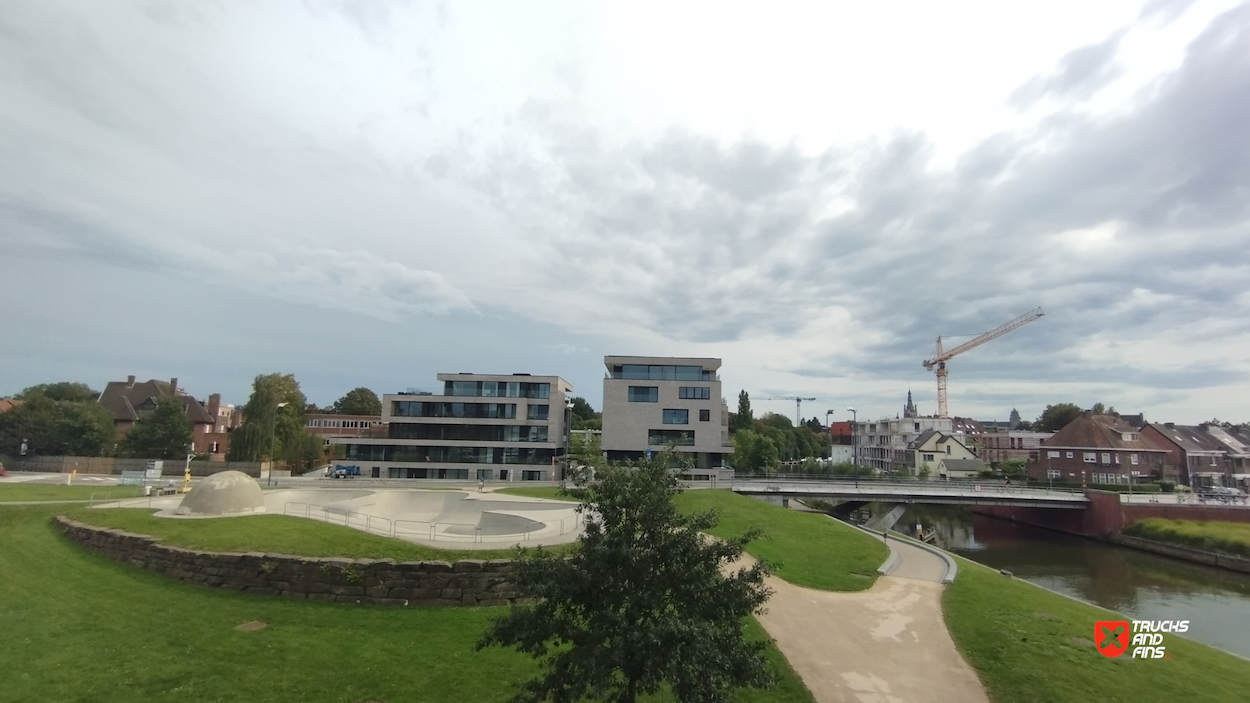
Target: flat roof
(707,363)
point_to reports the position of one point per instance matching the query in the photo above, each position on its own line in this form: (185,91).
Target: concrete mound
(226,493)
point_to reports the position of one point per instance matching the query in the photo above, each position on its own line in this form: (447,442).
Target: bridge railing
(911,484)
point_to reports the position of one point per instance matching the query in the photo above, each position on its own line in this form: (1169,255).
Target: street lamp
(854,442)
(273,431)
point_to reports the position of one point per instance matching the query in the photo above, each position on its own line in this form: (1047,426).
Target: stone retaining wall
(1178,551)
(380,581)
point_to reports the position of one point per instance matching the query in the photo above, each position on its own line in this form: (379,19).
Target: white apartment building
(493,427)
(651,402)
(882,445)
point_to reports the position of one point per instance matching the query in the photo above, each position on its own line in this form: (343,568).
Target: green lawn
(1214,536)
(276,534)
(548,492)
(79,627)
(1028,644)
(36,491)
(809,549)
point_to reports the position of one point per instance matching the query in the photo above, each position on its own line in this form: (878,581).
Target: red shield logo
(1111,637)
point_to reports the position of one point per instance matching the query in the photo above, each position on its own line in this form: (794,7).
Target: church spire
(909,410)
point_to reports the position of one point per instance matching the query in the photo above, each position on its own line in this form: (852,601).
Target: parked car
(345,472)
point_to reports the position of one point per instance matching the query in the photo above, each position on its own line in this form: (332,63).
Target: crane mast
(937,364)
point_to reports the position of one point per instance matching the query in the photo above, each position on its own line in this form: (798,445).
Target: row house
(997,447)
(1099,449)
(1203,455)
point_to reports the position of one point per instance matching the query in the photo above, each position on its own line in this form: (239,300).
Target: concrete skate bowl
(469,520)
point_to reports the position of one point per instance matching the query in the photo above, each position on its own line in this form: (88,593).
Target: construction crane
(798,406)
(940,357)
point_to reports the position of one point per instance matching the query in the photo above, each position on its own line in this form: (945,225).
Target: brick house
(1194,457)
(997,447)
(129,401)
(1099,449)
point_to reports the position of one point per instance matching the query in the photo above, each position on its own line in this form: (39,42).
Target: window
(662,373)
(660,438)
(537,412)
(676,417)
(1132,458)
(1052,454)
(1069,455)
(1212,461)
(928,457)
(1106,458)
(644,394)
(705,415)
(1089,457)
(1053,474)
(695,393)
(917,426)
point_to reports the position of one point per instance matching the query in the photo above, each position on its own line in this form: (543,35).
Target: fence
(418,529)
(108,465)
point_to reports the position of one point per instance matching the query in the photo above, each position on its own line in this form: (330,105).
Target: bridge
(930,492)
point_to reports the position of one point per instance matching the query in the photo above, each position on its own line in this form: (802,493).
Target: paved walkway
(888,644)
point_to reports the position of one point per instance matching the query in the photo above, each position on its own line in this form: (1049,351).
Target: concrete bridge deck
(931,492)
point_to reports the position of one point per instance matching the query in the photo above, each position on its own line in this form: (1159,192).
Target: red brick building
(131,400)
(1099,449)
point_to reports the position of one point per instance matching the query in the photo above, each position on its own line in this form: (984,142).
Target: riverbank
(1027,643)
(1231,538)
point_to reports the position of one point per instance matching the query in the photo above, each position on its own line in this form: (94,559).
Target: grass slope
(1028,644)
(277,534)
(1213,536)
(78,627)
(44,491)
(809,549)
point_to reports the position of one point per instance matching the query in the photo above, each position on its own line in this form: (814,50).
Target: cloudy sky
(369,193)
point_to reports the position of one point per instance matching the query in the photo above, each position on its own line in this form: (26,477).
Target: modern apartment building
(882,445)
(651,402)
(492,427)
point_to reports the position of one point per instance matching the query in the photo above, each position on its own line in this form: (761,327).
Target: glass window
(1052,454)
(1106,458)
(705,415)
(1069,455)
(1089,457)
(644,394)
(537,412)
(1132,458)
(676,417)
(695,393)
(660,438)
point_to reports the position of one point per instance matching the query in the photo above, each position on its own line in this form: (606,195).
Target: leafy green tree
(587,450)
(359,401)
(754,452)
(163,434)
(68,391)
(266,425)
(584,416)
(744,418)
(1012,467)
(57,428)
(643,600)
(1055,417)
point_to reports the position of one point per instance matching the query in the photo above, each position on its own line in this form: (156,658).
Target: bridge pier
(886,520)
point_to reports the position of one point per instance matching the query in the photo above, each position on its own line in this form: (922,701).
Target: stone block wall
(381,581)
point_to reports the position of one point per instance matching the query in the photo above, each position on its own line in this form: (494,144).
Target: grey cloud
(1081,72)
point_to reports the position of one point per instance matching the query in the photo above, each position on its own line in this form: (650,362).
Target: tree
(744,418)
(56,428)
(754,452)
(68,391)
(163,434)
(584,416)
(359,401)
(641,602)
(1013,467)
(587,450)
(267,426)
(1055,417)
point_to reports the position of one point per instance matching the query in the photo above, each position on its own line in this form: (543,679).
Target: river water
(1138,585)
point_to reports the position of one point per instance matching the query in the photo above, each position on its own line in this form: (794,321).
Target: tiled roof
(1191,438)
(1233,440)
(1100,432)
(127,401)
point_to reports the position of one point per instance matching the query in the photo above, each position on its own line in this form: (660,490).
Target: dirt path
(888,644)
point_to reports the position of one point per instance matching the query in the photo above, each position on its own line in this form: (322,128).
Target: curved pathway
(888,644)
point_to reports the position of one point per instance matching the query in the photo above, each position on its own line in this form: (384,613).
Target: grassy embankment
(1213,536)
(808,549)
(46,491)
(90,629)
(1028,644)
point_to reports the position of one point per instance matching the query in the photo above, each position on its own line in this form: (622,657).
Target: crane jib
(940,356)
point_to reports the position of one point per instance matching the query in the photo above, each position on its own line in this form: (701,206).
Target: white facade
(652,402)
(491,427)
(882,444)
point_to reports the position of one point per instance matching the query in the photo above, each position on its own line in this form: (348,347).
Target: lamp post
(854,442)
(273,431)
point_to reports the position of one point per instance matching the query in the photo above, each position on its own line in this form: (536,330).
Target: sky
(370,193)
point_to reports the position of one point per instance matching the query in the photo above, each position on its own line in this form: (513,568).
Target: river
(1138,585)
